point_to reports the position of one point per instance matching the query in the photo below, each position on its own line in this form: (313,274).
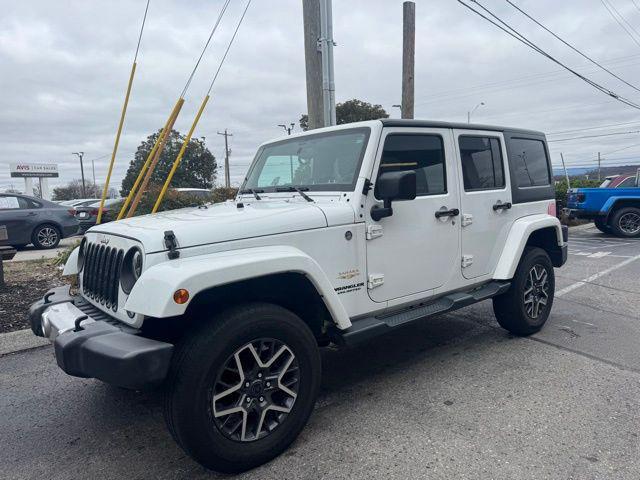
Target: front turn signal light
(181,296)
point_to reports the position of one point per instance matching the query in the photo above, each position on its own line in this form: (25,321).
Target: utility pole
(318,52)
(288,129)
(93,167)
(313,62)
(566,174)
(408,57)
(80,155)
(227,152)
(599,166)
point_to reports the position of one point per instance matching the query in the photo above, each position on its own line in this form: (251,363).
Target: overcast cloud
(64,67)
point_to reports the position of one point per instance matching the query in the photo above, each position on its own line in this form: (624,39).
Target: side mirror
(393,186)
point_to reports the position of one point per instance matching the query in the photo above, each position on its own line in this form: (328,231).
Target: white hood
(225,222)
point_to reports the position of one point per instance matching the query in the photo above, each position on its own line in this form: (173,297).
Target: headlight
(81,253)
(131,269)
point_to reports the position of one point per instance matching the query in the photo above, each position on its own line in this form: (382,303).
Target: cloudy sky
(64,67)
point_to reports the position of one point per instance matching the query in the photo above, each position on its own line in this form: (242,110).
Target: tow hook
(78,321)
(172,244)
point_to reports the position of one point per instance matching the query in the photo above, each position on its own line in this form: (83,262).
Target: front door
(413,251)
(485,192)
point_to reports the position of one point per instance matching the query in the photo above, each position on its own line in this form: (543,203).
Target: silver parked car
(25,220)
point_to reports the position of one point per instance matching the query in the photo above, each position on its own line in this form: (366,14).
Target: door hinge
(467,219)
(467,261)
(374,231)
(375,280)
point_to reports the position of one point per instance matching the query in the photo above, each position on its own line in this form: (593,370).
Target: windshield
(322,162)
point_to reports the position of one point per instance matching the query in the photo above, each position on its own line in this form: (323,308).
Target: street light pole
(288,129)
(80,155)
(469,113)
(398,107)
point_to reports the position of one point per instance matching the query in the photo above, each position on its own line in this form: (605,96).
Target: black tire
(46,236)
(625,222)
(510,308)
(602,225)
(199,364)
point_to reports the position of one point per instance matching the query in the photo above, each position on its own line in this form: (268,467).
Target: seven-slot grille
(101,274)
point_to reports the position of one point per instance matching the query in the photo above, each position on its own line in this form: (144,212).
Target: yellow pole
(105,190)
(132,192)
(178,159)
(154,162)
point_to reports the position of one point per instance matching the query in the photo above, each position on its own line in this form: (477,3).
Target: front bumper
(90,344)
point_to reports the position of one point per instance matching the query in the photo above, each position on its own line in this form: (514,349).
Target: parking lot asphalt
(451,397)
(30,252)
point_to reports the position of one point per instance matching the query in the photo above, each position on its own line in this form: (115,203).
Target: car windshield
(321,162)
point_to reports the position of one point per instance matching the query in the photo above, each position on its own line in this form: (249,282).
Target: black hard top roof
(397,122)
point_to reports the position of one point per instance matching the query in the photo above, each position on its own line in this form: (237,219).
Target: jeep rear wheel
(242,387)
(525,307)
(626,222)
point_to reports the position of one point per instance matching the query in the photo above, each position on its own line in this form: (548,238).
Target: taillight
(94,212)
(581,197)
(551,209)
(72,212)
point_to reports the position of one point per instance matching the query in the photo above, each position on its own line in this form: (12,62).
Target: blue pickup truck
(614,210)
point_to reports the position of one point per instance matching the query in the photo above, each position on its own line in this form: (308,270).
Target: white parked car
(337,235)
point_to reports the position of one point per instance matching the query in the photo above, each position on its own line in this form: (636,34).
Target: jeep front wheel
(242,387)
(525,307)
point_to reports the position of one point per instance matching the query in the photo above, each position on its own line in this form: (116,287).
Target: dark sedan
(88,214)
(25,220)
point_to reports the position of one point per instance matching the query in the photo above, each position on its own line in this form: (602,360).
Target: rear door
(485,193)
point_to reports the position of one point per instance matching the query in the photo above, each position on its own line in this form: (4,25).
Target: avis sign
(26,170)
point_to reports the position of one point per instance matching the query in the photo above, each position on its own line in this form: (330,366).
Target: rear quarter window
(529,167)
(530,163)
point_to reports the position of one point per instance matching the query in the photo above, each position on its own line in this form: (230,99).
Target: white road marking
(595,276)
(599,254)
(584,323)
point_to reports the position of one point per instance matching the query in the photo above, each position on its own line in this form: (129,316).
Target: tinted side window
(627,183)
(481,163)
(529,160)
(422,153)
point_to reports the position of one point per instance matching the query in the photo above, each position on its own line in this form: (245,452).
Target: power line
(224,57)
(144,20)
(521,38)
(591,128)
(206,45)
(571,46)
(635,40)
(594,136)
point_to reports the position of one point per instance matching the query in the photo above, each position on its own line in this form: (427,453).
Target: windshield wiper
(254,193)
(300,190)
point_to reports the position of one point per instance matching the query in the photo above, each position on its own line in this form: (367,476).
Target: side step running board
(369,327)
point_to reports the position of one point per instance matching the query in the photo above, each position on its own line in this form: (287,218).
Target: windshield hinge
(172,244)
(367,186)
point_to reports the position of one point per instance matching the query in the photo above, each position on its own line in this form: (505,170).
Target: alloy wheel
(47,236)
(255,390)
(629,223)
(536,291)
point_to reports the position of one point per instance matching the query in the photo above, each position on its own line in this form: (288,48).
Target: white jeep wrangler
(336,235)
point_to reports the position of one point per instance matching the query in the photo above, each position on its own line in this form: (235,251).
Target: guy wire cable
(187,139)
(148,167)
(105,190)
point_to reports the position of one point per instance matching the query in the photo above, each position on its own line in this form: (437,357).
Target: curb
(586,226)
(20,340)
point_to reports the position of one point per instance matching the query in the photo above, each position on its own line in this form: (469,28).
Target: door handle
(454,212)
(502,206)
